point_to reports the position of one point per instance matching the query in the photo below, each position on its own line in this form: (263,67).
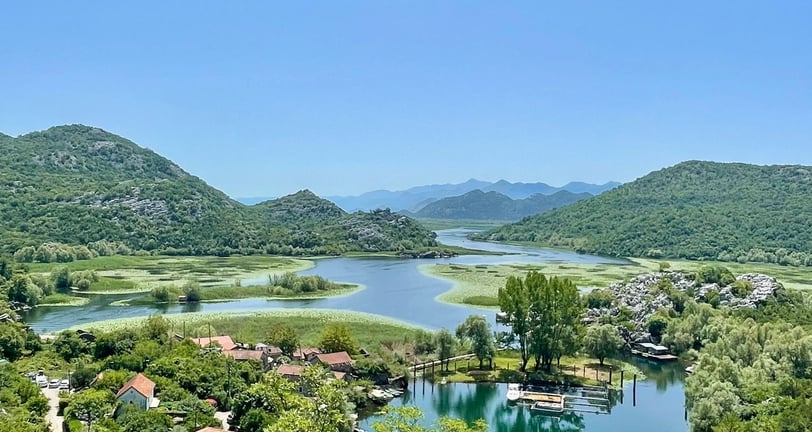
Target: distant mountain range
(494,206)
(414,199)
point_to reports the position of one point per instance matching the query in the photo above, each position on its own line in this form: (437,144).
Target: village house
(247,355)
(139,391)
(306,354)
(294,372)
(225,342)
(338,361)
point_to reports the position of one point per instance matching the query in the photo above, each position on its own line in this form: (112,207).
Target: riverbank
(478,285)
(369,329)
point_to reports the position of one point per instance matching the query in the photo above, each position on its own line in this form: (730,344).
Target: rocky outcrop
(643,295)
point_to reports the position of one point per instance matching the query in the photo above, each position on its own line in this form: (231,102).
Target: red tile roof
(290,370)
(225,342)
(337,358)
(305,352)
(139,383)
(244,354)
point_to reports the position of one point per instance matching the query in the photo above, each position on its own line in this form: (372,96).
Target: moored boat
(513,393)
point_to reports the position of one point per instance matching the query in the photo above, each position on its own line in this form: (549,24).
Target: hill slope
(479,205)
(695,210)
(78,184)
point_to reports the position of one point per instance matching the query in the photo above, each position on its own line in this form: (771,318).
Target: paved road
(53,402)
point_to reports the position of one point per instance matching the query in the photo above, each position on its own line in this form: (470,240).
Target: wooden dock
(658,357)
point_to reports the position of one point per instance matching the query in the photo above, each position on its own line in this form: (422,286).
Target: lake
(396,288)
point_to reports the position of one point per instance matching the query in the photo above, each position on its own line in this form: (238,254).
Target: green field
(126,274)
(370,330)
(225,293)
(478,285)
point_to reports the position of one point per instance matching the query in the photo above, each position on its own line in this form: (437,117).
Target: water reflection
(658,405)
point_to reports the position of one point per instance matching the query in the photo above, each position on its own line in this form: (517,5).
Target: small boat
(513,393)
(689,370)
(443,382)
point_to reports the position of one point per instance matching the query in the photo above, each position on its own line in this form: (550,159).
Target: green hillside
(77,185)
(694,210)
(479,205)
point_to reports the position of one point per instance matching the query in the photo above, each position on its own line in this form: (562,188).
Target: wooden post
(621,379)
(610,376)
(424,378)
(596,375)
(634,391)
(584,370)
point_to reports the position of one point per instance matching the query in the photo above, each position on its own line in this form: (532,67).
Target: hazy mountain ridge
(693,210)
(78,184)
(415,198)
(494,206)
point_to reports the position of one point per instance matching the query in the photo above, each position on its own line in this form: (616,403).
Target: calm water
(396,288)
(658,406)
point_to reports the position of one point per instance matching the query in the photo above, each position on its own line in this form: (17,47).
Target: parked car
(64,385)
(42,381)
(54,383)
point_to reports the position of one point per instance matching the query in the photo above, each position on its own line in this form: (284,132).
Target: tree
(192,292)
(477,332)
(22,290)
(445,346)
(12,342)
(82,376)
(656,325)
(62,279)
(156,328)
(336,338)
(69,345)
(285,338)
(410,419)
(136,420)
(90,406)
(514,301)
(555,316)
(602,342)
(424,343)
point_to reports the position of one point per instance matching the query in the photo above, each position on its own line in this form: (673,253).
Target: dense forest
(694,210)
(479,205)
(79,186)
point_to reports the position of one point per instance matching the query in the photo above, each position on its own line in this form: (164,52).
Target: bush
(599,299)
(192,292)
(160,294)
(656,325)
(741,288)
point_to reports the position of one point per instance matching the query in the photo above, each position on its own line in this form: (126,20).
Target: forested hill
(79,185)
(479,205)
(695,210)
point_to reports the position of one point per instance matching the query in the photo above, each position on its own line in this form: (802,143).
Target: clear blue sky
(265,98)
